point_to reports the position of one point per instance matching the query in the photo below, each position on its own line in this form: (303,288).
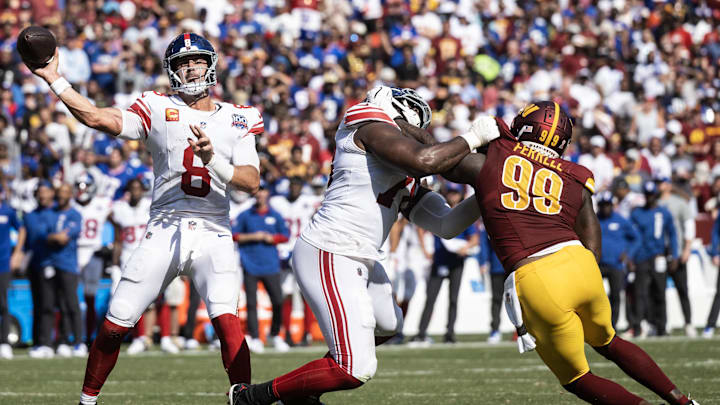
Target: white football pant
(353,302)
(198,248)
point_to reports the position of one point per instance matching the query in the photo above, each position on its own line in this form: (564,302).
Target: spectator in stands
(598,163)
(448,262)
(258,230)
(684,221)
(490,263)
(10,258)
(620,240)
(658,238)
(60,284)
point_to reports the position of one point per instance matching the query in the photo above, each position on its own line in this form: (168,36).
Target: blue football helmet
(184,45)
(85,188)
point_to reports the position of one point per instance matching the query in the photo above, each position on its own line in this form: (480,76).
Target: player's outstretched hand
(49,72)
(202,146)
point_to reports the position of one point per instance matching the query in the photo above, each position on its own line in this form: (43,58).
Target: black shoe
(239,394)
(450,338)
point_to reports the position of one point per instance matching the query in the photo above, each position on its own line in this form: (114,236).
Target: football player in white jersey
(198,146)
(375,175)
(94,210)
(297,209)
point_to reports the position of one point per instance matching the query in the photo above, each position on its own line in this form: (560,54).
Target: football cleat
(239,394)
(708,333)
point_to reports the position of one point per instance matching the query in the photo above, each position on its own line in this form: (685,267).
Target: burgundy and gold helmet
(545,124)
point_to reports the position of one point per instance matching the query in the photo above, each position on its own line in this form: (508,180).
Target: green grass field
(465,373)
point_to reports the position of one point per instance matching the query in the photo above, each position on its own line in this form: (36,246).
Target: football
(36,46)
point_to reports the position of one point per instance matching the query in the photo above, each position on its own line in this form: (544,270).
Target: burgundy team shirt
(528,201)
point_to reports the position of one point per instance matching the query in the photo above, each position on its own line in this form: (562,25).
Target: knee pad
(122,312)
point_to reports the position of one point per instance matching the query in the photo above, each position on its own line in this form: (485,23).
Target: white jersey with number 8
(363,196)
(183,187)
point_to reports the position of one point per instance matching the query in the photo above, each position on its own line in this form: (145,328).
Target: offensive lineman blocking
(337,258)
(189,227)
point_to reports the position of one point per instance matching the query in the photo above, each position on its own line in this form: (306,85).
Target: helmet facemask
(412,107)
(177,76)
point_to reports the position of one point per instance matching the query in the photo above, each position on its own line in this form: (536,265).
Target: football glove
(482,130)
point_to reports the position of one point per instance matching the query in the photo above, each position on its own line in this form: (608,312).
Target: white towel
(525,341)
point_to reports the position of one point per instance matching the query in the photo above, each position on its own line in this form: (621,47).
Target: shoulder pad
(365,112)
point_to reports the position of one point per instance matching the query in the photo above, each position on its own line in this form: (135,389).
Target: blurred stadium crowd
(640,78)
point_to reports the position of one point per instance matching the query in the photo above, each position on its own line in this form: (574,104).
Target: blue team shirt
(488,256)
(8,220)
(443,257)
(38,224)
(64,258)
(619,237)
(714,248)
(259,258)
(657,233)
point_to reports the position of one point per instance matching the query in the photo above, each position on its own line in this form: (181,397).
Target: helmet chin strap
(541,148)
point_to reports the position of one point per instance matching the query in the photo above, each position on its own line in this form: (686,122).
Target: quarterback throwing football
(198,147)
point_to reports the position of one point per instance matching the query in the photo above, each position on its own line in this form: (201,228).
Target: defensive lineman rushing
(538,211)
(336,258)
(189,227)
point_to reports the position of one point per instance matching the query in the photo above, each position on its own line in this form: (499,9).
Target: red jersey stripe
(145,119)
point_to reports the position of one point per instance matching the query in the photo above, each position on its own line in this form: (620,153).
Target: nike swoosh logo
(220,235)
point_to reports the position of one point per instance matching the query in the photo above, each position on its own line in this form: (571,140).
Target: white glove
(483,130)
(381,96)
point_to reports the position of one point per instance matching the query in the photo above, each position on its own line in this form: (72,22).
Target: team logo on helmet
(545,126)
(239,121)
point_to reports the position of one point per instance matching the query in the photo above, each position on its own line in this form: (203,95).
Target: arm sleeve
(433,214)
(244,152)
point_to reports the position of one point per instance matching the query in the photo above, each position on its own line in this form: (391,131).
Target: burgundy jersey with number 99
(529,201)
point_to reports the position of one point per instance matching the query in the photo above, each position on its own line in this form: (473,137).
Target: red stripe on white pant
(321,266)
(342,312)
(342,343)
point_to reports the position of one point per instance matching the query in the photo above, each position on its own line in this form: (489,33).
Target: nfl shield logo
(192,225)
(239,121)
